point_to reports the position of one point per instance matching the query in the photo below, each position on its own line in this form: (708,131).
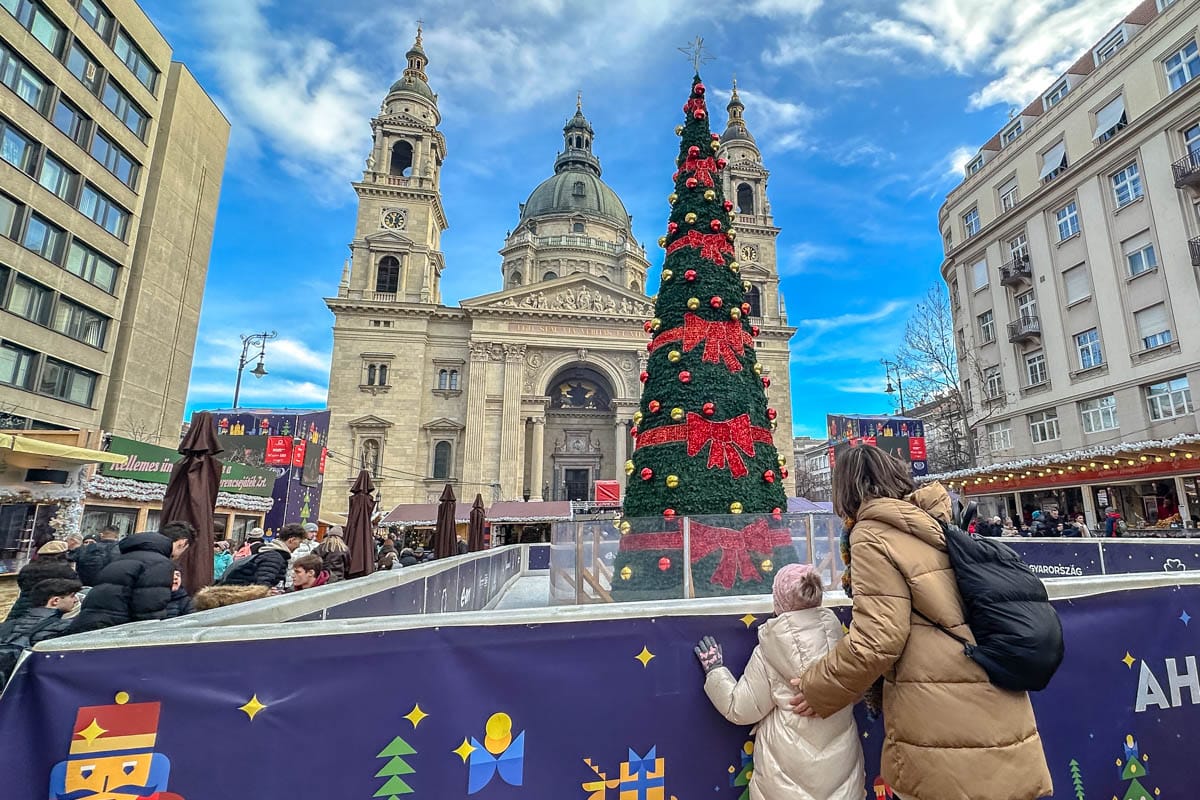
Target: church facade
(527,392)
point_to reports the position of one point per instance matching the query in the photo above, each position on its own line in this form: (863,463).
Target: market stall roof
(802,505)
(1113,462)
(148,492)
(36,449)
(423,514)
(516,511)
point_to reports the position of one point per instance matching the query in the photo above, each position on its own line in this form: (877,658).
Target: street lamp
(889,367)
(258,340)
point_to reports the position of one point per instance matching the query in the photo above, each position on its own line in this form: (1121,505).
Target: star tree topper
(695,53)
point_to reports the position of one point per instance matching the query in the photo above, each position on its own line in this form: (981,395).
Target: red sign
(298,453)
(916,449)
(608,492)
(278,452)
(324,455)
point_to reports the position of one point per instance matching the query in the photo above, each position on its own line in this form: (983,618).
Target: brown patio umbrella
(475,528)
(445,540)
(191,496)
(360,535)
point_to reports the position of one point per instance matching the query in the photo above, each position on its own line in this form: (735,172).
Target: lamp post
(889,367)
(258,340)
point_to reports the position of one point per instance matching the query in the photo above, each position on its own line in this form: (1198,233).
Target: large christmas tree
(704,431)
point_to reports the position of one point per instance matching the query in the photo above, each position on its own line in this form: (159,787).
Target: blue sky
(866,111)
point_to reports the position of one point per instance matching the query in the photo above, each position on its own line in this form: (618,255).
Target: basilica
(528,392)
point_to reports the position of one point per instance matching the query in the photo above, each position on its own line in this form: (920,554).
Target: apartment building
(111,157)
(814,476)
(1071,253)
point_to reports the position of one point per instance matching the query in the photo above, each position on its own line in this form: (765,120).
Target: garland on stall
(143,492)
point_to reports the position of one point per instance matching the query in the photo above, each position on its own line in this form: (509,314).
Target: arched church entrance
(580,433)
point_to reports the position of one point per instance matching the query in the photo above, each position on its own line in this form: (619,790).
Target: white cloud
(285,355)
(276,392)
(949,170)
(777,125)
(807,258)
(784,8)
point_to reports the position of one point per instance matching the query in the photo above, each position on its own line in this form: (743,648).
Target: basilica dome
(575,190)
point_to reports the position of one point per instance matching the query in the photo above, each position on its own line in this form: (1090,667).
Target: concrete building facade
(111,158)
(527,392)
(1072,246)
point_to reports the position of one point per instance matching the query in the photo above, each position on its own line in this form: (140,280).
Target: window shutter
(1108,117)
(1053,159)
(1151,320)
(1076,280)
(980,274)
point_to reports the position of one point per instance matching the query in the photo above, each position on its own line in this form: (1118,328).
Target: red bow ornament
(711,245)
(723,341)
(725,439)
(702,169)
(735,547)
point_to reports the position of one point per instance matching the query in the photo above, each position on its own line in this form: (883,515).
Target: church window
(444,379)
(454,379)
(754,298)
(550,276)
(577,227)
(441,459)
(579,393)
(515,279)
(402,159)
(369,459)
(383,371)
(745,199)
(387,277)
(635,286)
(578,190)
(370,375)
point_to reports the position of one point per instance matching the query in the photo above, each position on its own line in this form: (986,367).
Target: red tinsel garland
(725,440)
(723,341)
(702,169)
(711,245)
(735,547)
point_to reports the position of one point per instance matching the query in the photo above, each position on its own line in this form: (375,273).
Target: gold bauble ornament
(693,303)
(672,481)
(734,267)
(672,197)
(766,565)
(735,313)
(735,507)
(679,130)
(731,234)
(757,369)
(667,275)
(629,467)
(655,324)
(626,573)
(782,461)
(709,194)
(662,241)
(637,418)
(677,413)
(674,356)
(745,286)
(625,528)
(715,145)
(689,217)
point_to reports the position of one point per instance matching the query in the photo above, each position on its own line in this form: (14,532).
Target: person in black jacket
(49,600)
(137,585)
(269,565)
(51,562)
(180,602)
(96,556)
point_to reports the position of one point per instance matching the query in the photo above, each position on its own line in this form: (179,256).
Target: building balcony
(1025,328)
(1187,171)
(1017,271)
(1194,246)
(383,297)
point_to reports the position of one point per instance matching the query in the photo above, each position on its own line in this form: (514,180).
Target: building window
(383,374)
(954,293)
(35,19)
(80,323)
(1087,346)
(1043,426)
(1127,185)
(370,375)
(30,300)
(402,159)
(1153,329)
(443,381)
(961,341)
(369,457)
(387,276)
(136,60)
(987,327)
(1182,66)
(91,266)
(1166,400)
(1163,5)
(43,238)
(999,435)
(1009,196)
(454,380)
(120,104)
(1018,247)
(948,242)
(9,214)
(1191,141)
(16,75)
(97,16)
(1099,414)
(1110,46)
(1056,94)
(514,279)
(1010,134)
(67,382)
(745,198)
(71,121)
(1026,305)
(974,165)
(971,222)
(442,452)
(1075,281)
(993,383)
(577,189)
(16,148)
(549,276)
(1035,368)
(57,178)
(114,159)
(1067,218)
(1054,161)
(17,365)
(104,211)
(577,227)
(979,275)
(1139,254)
(1110,120)
(753,298)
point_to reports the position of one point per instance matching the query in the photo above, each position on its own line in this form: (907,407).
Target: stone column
(512,432)
(622,432)
(538,445)
(476,398)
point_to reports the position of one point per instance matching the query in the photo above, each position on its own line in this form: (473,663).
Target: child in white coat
(795,757)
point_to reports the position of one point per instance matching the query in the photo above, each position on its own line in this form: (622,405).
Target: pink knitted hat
(796,587)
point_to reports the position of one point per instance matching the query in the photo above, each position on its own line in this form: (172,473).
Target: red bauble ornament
(685,377)
(754,330)
(691,183)
(646,326)
(709,409)
(693,151)
(716,137)
(664,564)
(716,302)
(769,476)
(722,163)
(715,224)
(669,513)
(672,227)
(698,88)
(645,376)
(699,113)
(633,432)
(728,205)
(690,275)
(646,473)
(784,472)
(772,413)
(654,406)
(650,345)
(766,382)
(776,513)
(746,308)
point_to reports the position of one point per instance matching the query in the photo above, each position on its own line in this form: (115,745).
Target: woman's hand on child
(710,655)
(799,703)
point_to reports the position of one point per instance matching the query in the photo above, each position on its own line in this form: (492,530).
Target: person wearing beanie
(794,756)
(51,562)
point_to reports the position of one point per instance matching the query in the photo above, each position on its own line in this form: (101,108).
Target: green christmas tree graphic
(1076,780)
(393,769)
(1135,769)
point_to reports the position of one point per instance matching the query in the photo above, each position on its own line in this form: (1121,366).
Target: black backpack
(243,569)
(1018,635)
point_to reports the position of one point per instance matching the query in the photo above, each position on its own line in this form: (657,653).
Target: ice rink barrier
(564,702)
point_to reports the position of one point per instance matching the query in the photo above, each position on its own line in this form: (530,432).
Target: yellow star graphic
(1129,660)
(92,731)
(252,707)
(749,620)
(645,657)
(464,750)
(416,715)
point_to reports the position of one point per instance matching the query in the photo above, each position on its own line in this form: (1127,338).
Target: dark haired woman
(950,733)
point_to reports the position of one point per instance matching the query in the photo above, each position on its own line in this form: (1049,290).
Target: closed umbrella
(444,539)
(191,497)
(359,533)
(475,529)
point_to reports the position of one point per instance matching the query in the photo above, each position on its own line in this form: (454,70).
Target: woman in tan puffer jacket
(949,732)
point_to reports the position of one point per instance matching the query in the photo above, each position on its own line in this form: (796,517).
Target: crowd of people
(1051,523)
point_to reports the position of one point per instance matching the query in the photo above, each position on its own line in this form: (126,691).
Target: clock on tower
(395,218)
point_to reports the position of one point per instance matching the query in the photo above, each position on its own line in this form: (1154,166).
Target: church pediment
(578,294)
(369,421)
(389,237)
(406,120)
(443,424)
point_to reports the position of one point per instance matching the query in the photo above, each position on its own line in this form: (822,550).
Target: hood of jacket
(793,641)
(277,545)
(916,514)
(148,542)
